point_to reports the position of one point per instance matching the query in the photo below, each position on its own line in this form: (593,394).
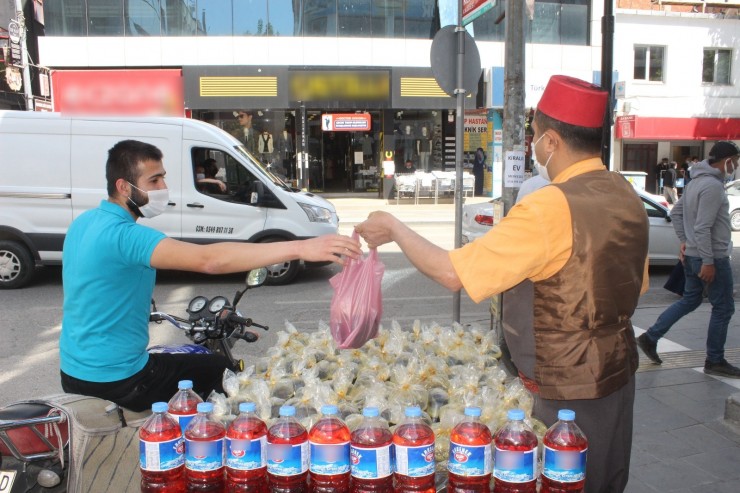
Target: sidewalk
(682,441)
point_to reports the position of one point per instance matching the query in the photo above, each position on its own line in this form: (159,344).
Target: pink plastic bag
(357,304)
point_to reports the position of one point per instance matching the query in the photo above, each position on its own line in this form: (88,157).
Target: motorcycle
(74,443)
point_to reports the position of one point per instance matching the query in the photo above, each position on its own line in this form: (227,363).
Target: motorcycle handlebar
(247,322)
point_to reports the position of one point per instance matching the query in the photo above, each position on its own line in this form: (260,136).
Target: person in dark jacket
(479,164)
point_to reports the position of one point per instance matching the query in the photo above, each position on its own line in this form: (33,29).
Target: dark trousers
(607,424)
(157,381)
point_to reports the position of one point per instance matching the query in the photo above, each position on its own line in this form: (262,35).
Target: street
(31,317)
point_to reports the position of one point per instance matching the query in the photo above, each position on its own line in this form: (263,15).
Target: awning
(635,127)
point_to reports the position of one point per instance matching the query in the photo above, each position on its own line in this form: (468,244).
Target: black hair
(584,139)
(123,161)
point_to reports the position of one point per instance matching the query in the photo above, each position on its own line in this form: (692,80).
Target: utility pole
(607,66)
(513,125)
(460,133)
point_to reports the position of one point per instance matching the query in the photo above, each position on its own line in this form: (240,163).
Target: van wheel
(16,265)
(281,273)
(735,220)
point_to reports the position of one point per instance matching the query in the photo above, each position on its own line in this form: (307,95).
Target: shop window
(716,66)
(649,63)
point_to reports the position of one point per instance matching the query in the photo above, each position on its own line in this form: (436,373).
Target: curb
(732,409)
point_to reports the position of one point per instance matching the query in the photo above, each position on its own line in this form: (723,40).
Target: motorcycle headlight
(316,214)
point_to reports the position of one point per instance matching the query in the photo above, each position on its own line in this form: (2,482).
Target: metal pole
(607,66)
(459,142)
(27,91)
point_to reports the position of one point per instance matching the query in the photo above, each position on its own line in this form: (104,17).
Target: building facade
(285,64)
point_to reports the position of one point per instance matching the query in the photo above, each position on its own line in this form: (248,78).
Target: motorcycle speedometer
(217,304)
(197,304)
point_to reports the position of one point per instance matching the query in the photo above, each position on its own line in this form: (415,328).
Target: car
(477,220)
(733,196)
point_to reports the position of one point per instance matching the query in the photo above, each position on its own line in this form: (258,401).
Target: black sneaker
(649,348)
(721,369)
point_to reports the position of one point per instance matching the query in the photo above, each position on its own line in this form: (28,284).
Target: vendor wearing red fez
(572,266)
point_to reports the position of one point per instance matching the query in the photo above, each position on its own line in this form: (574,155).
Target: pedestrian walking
(702,223)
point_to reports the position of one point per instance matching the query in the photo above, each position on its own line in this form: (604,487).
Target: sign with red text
(345,122)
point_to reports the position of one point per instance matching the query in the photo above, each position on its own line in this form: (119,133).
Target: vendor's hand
(706,273)
(376,230)
(330,247)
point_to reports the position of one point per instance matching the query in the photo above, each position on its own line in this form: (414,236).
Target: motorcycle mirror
(256,277)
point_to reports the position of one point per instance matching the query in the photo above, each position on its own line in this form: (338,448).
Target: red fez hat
(574,101)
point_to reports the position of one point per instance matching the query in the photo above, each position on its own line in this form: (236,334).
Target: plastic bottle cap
(472,411)
(247,407)
(160,407)
(287,411)
(413,411)
(371,412)
(185,384)
(205,407)
(515,414)
(566,415)
(329,409)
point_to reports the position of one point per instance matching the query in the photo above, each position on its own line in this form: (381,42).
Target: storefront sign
(472,9)
(319,85)
(345,122)
(118,92)
(476,123)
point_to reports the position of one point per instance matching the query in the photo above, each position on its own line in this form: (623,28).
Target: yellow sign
(338,85)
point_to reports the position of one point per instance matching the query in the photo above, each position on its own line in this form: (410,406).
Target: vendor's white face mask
(542,168)
(157,203)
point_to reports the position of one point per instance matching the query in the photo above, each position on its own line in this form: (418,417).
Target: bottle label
(161,456)
(566,466)
(183,420)
(371,463)
(515,466)
(246,455)
(284,459)
(329,458)
(415,462)
(204,455)
(470,460)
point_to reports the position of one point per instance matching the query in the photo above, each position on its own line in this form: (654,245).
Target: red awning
(655,128)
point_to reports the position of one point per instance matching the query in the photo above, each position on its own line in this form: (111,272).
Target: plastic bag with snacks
(357,304)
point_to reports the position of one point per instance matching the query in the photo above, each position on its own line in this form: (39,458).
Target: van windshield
(266,173)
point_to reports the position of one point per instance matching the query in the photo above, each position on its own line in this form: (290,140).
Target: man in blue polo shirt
(109,269)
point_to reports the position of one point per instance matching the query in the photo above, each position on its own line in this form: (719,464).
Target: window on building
(180,17)
(65,18)
(143,18)
(649,62)
(716,66)
(354,18)
(250,18)
(214,19)
(105,18)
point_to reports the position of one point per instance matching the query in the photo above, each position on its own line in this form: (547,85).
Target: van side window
(218,174)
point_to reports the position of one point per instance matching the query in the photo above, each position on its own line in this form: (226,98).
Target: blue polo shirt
(108,284)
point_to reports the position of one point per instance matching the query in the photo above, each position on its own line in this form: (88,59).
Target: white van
(52,168)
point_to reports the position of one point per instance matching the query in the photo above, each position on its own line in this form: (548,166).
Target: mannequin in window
(408,143)
(367,145)
(286,151)
(265,147)
(248,136)
(424,148)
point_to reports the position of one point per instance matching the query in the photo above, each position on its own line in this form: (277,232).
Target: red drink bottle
(184,404)
(371,455)
(515,456)
(204,451)
(564,457)
(414,444)
(161,449)
(246,452)
(287,454)
(470,464)
(328,440)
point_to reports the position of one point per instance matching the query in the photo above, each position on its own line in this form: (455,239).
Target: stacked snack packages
(450,376)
